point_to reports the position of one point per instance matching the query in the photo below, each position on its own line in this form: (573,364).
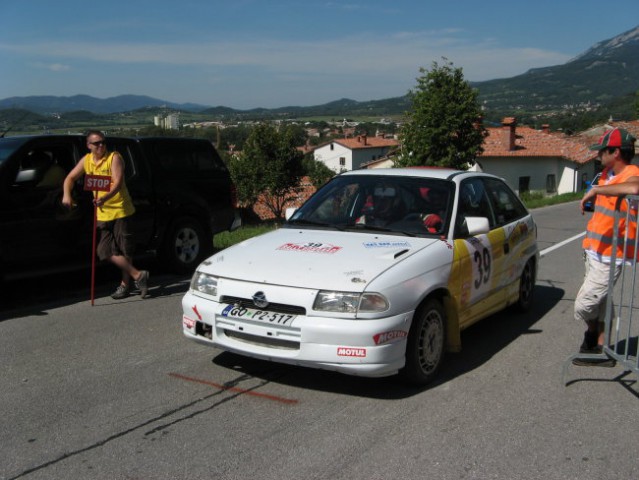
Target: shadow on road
(479,344)
(35,296)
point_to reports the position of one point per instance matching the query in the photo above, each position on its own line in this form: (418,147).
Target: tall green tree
(269,165)
(317,172)
(443,128)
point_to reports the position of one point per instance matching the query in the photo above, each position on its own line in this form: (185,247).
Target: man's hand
(67,201)
(589,194)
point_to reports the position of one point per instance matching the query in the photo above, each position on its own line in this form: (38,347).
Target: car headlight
(203,283)
(350,302)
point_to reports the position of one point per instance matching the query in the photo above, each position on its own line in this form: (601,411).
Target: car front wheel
(426,344)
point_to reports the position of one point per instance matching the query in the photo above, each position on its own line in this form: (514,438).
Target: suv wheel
(186,245)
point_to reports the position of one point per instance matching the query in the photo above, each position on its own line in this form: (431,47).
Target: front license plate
(243,313)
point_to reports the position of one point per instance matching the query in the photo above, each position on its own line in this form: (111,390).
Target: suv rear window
(182,159)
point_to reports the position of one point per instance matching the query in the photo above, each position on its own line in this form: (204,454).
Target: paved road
(114,391)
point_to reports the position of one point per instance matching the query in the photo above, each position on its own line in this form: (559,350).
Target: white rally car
(376,274)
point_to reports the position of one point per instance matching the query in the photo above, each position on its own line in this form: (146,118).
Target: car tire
(186,245)
(426,344)
(526,287)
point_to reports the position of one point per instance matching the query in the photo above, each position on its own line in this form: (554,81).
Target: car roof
(421,172)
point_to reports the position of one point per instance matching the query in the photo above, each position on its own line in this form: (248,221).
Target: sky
(248,54)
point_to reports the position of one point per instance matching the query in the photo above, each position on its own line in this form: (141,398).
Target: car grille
(272,307)
(263,341)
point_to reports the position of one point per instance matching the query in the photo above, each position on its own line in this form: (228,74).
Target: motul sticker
(311,247)
(351,352)
(389,336)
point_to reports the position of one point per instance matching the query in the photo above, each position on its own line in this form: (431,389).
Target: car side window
(39,168)
(473,202)
(130,168)
(508,207)
(180,161)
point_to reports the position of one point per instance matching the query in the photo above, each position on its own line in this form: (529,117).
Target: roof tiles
(529,142)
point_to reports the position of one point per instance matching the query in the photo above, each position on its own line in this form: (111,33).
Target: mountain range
(605,72)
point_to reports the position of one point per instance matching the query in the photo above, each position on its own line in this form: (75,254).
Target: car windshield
(379,203)
(8,146)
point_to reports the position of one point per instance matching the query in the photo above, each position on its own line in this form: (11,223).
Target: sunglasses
(100,143)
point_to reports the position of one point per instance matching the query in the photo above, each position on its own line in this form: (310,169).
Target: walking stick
(93,252)
(95,183)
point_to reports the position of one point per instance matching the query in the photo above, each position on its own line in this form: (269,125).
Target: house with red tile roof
(345,154)
(592,135)
(537,160)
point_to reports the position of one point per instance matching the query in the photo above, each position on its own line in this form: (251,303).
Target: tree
(318,172)
(443,128)
(269,166)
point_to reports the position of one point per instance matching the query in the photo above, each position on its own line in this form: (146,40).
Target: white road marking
(561,244)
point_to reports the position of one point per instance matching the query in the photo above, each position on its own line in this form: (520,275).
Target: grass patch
(226,239)
(537,199)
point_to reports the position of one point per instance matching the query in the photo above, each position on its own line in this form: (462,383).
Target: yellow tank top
(118,206)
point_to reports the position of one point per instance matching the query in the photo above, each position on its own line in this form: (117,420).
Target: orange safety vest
(599,233)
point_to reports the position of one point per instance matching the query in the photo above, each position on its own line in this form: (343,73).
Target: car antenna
(14,124)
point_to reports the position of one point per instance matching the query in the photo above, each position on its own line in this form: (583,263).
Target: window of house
(551,183)
(342,161)
(332,146)
(524,184)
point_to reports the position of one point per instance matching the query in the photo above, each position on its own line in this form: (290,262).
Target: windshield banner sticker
(310,247)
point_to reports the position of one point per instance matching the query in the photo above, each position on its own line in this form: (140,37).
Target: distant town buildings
(167,122)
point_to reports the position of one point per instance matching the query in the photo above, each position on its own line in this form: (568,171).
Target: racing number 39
(482,261)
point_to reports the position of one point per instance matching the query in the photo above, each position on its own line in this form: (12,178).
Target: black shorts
(115,239)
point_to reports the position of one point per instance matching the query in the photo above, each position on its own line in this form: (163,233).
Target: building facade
(353,153)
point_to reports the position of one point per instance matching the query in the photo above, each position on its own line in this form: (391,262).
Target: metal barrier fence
(621,328)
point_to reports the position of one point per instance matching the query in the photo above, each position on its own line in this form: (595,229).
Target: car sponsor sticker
(310,247)
(351,352)
(386,337)
(188,322)
(389,244)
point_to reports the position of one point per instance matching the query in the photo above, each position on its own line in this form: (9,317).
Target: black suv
(181,189)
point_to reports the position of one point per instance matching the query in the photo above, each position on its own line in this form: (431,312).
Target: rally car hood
(315,259)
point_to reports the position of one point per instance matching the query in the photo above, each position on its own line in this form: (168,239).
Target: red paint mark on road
(243,391)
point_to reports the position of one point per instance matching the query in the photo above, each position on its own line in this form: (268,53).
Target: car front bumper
(364,347)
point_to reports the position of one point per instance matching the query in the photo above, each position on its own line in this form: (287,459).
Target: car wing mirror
(289,212)
(26,176)
(477,225)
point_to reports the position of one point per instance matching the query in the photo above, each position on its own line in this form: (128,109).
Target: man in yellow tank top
(616,149)
(114,212)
